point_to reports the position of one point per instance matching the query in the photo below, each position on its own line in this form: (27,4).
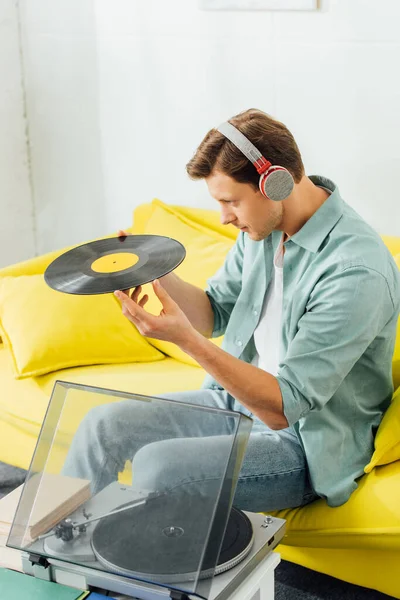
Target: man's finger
(143,300)
(144,321)
(122,235)
(135,310)
(136,292)
(162,294)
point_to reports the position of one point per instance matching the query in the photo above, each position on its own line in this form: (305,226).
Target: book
(46,500)
(18,586)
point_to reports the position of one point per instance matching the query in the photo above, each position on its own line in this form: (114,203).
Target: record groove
(83,270)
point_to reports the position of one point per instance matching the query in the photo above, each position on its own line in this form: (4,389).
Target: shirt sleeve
(225,286)
(345,313)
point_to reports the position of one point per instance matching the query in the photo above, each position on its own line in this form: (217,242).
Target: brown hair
(271,138)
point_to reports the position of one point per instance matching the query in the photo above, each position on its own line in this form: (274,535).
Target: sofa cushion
(205,252)
(387,440)
(396,354)
(47,330)
(370,519)
(23,402)
(393,243)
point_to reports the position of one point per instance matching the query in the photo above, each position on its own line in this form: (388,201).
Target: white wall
(120,94)
(169,72)
(16,205)
(60,59)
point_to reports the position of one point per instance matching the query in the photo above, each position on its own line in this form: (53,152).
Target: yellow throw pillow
(38,264)
(396,354)
(206,220)
(47,330)
(387,441)
(393,244)
(205,253)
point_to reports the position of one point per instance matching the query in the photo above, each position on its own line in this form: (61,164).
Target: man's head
(233,180)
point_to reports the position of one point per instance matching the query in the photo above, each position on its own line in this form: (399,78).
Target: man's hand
(190,299)
(171,325)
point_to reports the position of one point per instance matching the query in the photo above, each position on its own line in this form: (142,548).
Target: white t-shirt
(267,335)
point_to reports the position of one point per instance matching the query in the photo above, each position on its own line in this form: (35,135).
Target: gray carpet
(10,478)
(292,581)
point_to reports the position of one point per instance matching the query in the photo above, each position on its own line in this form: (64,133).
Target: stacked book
(46,499)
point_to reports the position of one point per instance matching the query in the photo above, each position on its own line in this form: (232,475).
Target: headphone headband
(245,146)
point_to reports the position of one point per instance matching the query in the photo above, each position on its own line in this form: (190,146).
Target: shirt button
(239,343)
(255,312)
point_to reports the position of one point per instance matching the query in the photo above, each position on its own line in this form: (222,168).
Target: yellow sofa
(358,542)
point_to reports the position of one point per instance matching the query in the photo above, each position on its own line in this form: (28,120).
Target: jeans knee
(105,416)
(158,466)
(94,419)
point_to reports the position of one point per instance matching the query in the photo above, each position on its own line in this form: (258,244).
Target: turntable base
(251,579)
(259,585)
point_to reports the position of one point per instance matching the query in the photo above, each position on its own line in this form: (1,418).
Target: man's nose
(226,216)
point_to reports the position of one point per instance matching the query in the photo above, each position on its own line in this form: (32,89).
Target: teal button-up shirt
(341,299)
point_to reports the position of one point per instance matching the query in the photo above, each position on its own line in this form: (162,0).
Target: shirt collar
(315,230)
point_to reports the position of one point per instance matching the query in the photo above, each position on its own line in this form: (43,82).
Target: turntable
(178,541)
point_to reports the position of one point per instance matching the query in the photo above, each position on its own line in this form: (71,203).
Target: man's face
(244,207)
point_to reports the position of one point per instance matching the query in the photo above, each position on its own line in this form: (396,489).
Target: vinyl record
(163,541)
(120,263)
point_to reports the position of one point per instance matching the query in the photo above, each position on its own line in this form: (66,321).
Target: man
(308,300)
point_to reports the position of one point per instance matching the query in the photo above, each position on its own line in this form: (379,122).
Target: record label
(114,262)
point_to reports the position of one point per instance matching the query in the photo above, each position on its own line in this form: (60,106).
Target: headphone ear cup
(276,183)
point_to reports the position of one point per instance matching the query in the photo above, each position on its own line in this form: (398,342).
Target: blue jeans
(274,473)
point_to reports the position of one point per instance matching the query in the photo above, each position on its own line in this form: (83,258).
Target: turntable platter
(161,541)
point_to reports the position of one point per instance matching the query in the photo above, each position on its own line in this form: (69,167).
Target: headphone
(276,183)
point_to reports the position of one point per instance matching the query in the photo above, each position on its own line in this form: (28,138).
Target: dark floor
(292,581)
